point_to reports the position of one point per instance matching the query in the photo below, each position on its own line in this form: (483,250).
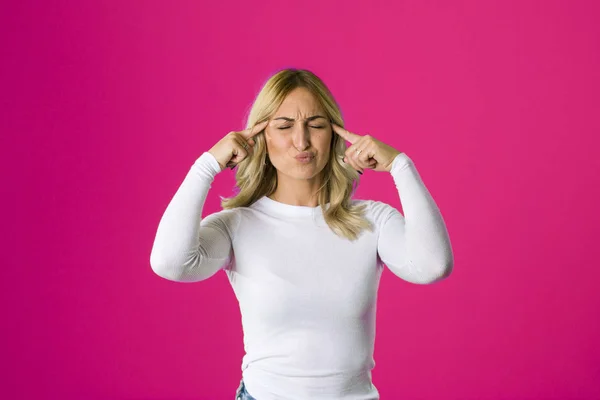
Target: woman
(303,258)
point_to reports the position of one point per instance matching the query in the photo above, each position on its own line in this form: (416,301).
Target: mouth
(305,157)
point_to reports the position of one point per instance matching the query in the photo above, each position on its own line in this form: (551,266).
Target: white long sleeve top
(307,296)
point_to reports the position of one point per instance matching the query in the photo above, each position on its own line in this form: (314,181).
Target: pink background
(106,105)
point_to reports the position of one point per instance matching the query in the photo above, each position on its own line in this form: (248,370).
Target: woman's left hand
(366,151)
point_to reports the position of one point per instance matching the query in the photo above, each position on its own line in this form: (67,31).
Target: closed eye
(288,127)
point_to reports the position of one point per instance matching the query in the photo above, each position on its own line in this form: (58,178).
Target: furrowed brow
(292,119)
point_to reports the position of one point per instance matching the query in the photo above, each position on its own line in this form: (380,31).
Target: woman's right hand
(236,146)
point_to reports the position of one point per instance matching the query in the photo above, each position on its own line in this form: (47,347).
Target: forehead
(299,102)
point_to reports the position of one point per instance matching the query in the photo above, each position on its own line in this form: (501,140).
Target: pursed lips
(305,156)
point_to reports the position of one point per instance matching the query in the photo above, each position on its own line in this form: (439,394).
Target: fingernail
(359,172)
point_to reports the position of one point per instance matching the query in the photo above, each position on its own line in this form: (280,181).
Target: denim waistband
(242,393)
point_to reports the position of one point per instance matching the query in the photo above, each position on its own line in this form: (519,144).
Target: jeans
(242,394)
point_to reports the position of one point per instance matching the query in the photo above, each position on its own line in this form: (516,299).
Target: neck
(296,192)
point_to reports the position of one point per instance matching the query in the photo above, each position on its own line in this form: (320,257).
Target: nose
(301,137)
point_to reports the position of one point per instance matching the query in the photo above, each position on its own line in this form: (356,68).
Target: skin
(366,152)
(297,182)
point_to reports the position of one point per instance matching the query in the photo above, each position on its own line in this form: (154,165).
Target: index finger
(349,136)
(248,133)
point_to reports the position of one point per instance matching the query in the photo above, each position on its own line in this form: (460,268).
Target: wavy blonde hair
(256,177)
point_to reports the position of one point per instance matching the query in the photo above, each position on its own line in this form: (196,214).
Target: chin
(309,174)
(299,171)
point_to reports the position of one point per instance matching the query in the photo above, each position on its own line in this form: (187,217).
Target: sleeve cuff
(208,164)
(400,162)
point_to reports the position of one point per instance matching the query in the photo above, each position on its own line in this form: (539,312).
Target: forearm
(176,245)
(427,246)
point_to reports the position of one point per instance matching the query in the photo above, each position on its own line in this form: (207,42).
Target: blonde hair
(256,177)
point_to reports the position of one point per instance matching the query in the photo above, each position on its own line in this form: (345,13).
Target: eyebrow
(292,119)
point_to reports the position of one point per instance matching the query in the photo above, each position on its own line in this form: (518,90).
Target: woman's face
(299,136)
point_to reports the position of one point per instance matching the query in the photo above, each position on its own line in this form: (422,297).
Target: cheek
(277,142)
(323,139)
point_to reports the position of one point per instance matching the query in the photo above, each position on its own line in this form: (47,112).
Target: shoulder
(226,219)
(377,211)
(232,217)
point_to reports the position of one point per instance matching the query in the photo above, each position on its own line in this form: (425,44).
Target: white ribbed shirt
(307,296)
